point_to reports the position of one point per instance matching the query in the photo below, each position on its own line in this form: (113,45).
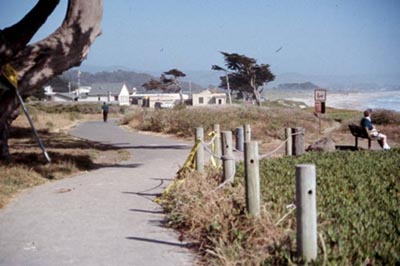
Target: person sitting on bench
(372,131)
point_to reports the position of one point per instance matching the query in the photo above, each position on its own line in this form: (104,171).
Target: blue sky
(304,36)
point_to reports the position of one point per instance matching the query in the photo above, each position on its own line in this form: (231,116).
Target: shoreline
(342,100)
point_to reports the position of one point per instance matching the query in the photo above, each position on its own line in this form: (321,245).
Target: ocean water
(390,102)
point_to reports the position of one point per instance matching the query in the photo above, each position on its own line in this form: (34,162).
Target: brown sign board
(317,107)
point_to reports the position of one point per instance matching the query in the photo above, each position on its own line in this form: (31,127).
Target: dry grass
(217,223)
(266,122)
(69,155)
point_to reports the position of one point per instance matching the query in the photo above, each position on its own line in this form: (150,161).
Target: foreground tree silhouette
(245,75)
(37,63)
(169,81)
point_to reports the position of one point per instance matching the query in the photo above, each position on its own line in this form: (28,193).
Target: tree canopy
(170,81)
(245,75)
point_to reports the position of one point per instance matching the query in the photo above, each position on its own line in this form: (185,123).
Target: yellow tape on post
(11,75)
(213,135)
(190,161)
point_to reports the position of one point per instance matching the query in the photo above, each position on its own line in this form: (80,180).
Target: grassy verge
(267,123)
(69,155)
(358,194)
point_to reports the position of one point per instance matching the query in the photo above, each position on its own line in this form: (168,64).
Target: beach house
(209,97)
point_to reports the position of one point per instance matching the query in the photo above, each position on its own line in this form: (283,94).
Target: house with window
(208,97)
(113,93)
(153,100)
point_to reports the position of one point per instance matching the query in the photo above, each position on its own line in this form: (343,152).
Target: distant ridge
(131,78)
(305,86)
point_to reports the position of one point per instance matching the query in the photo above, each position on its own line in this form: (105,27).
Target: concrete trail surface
(104,217)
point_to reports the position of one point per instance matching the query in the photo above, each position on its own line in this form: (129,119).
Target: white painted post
(199,135)
(288,135)
(247,133)
(306,194)
(252,175)
(228,161)
(217,144)
(239,139)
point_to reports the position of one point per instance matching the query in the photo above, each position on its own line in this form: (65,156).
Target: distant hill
(131,78)
(305,86)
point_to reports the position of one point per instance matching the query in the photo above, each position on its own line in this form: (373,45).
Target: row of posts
(305,178)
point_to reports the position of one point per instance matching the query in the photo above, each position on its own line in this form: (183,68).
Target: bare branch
(67,47)
(14,38)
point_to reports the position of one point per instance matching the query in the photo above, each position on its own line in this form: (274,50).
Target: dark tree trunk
(9,111)
(36,64)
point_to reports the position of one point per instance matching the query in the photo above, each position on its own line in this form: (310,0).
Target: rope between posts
(234,149)
(291,208)
(229,180)
(263,156)
(214,136)
(210,151)
(190,162)
(272,152)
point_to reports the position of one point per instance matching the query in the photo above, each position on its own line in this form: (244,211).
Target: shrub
(265,122)
(357,203)
(384,117)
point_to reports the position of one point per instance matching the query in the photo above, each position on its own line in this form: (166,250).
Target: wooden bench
(361,132)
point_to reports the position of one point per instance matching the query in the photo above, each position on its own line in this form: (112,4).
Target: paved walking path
(104,217)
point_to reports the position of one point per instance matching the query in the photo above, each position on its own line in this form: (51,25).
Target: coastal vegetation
(357,192)
(357,203)
(267,122)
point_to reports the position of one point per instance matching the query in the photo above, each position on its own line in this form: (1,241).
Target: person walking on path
(104,109)
(372,131)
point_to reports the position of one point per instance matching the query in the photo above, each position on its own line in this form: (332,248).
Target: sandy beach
(342,100)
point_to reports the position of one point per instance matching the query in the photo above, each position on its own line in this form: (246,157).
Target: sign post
(11,76)
(320,96)
(319,104)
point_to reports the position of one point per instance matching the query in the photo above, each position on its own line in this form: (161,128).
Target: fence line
(305,184)
(207,145)
(263,156)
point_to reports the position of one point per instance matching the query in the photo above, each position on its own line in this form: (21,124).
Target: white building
(208,97)
(113,93)
(150,99)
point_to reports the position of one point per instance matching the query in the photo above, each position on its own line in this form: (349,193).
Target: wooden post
(247,133)
(199,135)
(252,175)
(217,144)
(288,135)
(239,139)
(228,161)
(298,141)
(306,194)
